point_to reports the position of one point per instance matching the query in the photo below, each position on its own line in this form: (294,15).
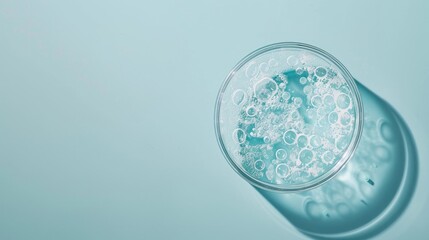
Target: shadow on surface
(370,193)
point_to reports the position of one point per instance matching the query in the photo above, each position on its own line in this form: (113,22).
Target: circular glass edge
(357,130)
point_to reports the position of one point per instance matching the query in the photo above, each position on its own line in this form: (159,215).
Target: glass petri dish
(288,117)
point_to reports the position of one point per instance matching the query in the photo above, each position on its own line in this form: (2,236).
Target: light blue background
(106,110)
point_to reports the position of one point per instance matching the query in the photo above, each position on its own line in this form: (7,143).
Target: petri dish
(288,117)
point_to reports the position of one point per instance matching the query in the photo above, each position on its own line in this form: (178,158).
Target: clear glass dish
(331,156)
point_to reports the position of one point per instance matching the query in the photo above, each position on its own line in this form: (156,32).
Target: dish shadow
(370,193)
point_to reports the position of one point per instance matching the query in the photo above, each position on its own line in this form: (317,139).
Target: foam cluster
(295,125)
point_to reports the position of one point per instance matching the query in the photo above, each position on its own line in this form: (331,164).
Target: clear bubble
(289,137)
(320,72)
(239,97)
(282,170)
(265,88)
(302,141)
(329,100)
(251,111)
(316,101)
(286,95)
(283,77)
(292,60)
(295,115)
(282,85)
(307,89)
(328,157)
(333,117)
(259,165)
(263,67)
(323,121)
(345,118)
(311,113)
(342,142)
(239,136)
(267,139)
(306,155)
(297,101)
(273,63)
(281,154)
(299,71)
(315,141)
(343,101)
(252,69)
(303,80)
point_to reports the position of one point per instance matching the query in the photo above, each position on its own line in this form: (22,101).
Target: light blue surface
(106,110)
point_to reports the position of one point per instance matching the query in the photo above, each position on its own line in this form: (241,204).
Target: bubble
(292,60)
(273,63)
(267,139)
(345,118)
(282,85)
(343,101)
(311,114)
(333,117)
(299,71)
(328,157)
(307,89)
(289,137)
(329,100)
(259,165)
(263,67)
(297,101)
(323,121)
(316,101)
(306,155)
(294,114)
(386,131)
(303,80)
(302,141)
(282,170)
(252,69)
(283,77)
(320,72)
(251,111)
(238,97)
(315,141)
(286,95)
(342,142)
(265,88)
(281,154)
(239,136)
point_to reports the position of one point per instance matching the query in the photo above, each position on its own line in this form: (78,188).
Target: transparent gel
(332,157)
